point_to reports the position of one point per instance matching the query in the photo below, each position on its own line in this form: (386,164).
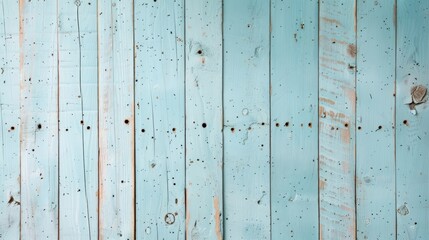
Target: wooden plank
(204,106)
(77,59)
(337,107)
(294,117)
(9,121)
(39,119)
(116,119)
(160,120)
(412,131)
(246,120)
(375,136)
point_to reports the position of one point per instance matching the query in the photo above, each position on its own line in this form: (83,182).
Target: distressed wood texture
(337,99)
(160,115)
(246,120)
(78,133)
(204,119)
(294,117)
(116,119)
(9,121)
(412,131)
(375,134)
(39,119)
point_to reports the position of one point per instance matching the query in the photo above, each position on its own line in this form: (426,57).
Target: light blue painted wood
(246,119)
(294,118)
(78,134)
(412,131)
(116,119)
(9,121)
(160,119)
(39,119)
(204,151)
(337,108)
(375,112)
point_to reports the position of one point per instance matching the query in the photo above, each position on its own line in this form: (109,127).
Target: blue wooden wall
(220,119)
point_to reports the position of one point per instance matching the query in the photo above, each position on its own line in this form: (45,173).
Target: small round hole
(173,129)
(287,124)
(88,127)
(405,122)
(277,124)
(232,129)
(126,121)
(204,125)
(143,130)
(12,128)
(39,126)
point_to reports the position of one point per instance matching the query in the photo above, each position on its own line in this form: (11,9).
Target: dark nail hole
(232,129)
(380,127)
(12,128)
(204,125)
(200,51)
(263,123)
(359,128)
(287,124)
(405,122)
(277,124)
(143,130)
(39,126)
(310,125)
(126,121)
(174,129)
(346,125)
(81,122)
(67,129)
(88,127)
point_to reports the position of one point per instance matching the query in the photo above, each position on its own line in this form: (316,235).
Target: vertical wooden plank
(204,119)
(412,135)
(160,126)
(337,103)
(375,136)
(39,119)
(116,119)
(78,133)
(294,117)
(9,121)
(246,119)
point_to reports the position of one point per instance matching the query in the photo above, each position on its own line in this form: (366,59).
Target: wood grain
(160,115)
(294,118)
(116,120)
(38,41)
(246,120)
(78,133)
(337,109)
(204,153)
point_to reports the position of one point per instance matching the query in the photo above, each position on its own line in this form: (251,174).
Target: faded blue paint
(213,120)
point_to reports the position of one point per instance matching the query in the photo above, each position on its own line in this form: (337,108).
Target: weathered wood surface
(294,114)
(221,119)
(375,120)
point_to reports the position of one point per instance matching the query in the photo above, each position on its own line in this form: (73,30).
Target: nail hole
(39,126)
(173,129)
(126,121)
(359,128)
(143,130)
(310,125)
(88,127)
(287,124)
(200,51)
(277,124)
(346,125)
(232,129)
(405,122)
(380,127)
(12,128)
(81,122)
(263,123)
(204,125)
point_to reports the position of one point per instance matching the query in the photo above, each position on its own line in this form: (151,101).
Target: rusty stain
(326,100)
(351,50)
(331,20)
(322,184)
(217,218)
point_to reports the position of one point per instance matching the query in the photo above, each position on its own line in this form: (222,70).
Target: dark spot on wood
(204,125)
(359,128)
(12,128)
(287,124)
(405,122)
(11,199)
(346,125)
(126,121)
(143,130)
(88,127)
(310,125)
(153,165)
(262,123)
(232,129)
(39,126)
(351,50)
(173,129)
(200,51)
(277,124)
